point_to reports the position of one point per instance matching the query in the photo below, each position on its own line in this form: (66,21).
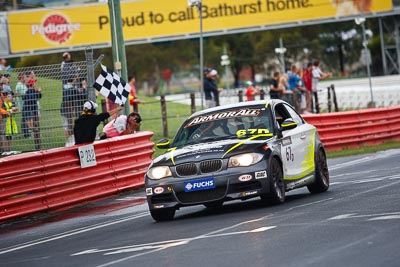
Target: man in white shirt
(318,75)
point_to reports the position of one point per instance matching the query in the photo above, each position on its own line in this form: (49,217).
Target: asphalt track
(355,223)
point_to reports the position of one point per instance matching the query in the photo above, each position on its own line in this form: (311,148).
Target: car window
(283,112)
(254,121)
(294,115)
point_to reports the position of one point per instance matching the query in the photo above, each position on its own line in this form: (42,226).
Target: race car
(239,151)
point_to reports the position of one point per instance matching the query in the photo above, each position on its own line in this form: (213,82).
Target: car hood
(210,150)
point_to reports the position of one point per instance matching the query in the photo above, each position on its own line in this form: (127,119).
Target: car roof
(238,105)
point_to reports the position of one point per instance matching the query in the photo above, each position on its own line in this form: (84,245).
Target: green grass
(364,149)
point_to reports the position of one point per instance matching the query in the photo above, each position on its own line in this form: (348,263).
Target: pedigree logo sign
(55,28)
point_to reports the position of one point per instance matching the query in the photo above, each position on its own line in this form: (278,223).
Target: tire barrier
(353,129)
(59,178)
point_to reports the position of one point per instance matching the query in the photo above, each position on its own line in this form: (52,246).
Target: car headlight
(244,160)
(159,172)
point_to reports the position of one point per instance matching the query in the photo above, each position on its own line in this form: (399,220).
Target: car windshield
(241,123)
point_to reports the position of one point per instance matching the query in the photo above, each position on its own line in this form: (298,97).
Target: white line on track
(71,233)
(173,243)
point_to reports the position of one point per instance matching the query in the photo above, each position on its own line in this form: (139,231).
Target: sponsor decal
(158,190)
(287,141)
(261,174)
(149,191)
(55,28)
(201,184)
(245,177)
(224,115)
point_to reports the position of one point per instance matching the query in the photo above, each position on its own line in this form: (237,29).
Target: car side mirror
(288,124)
(163,144)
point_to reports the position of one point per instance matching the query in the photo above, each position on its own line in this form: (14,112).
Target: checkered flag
(110,85)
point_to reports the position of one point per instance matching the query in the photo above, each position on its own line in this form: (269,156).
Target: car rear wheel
(276,183)
(161,215)
(321,183)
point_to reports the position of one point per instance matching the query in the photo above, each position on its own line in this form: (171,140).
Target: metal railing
(63,90)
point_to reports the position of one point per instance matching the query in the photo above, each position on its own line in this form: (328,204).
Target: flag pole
(118,45)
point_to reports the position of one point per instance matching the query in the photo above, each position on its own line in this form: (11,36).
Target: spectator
(31,110)
(296,86)
(318,75)
(305,96)
(20,90)
(307,79)
(67,112)
(4,66)
(133,123)
(166,75)
(3,118)
(274,90)
(11,124)
(251,91)
(287,94)
(122,125)
(5,82)
(86,125)
(211,90)
(68,68)
(80,97)
(133,99)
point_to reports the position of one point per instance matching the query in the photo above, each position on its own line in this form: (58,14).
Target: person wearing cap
(30,110)
(86,125)
(210,87)
(122,125)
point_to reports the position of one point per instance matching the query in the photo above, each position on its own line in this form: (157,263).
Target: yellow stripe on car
(244,141)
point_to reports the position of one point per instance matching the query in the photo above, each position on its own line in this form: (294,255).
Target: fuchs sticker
(245,177)
(158,190)
(149,191)
(201,184)
(261,174)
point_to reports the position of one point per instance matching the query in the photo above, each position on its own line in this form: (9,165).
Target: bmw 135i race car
(240,151)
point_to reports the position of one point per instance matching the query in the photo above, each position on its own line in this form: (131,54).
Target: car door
(297,148)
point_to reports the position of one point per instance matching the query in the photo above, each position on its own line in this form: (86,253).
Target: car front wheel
(161,215)
(276,183)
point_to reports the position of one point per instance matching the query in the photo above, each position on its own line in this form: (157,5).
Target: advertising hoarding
(46,29)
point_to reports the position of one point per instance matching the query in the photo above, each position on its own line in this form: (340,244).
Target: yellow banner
(89,25)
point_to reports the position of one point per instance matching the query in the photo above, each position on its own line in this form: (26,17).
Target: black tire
(162,215)
(321,183)
(214,204)
(276,183)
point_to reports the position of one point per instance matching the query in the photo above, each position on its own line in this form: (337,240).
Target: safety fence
(55,179)
(353,129)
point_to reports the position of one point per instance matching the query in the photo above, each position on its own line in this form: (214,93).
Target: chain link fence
(43,104)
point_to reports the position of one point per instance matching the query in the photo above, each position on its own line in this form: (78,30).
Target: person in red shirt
(133,99)
(307,79)
(251,91)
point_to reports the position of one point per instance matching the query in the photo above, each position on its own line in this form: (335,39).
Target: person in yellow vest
(11,124)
